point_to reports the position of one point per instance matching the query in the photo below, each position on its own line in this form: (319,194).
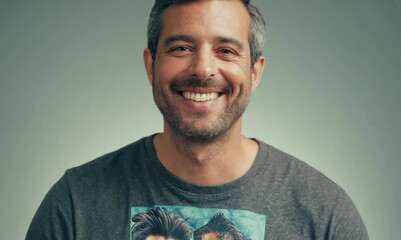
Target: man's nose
(203,64)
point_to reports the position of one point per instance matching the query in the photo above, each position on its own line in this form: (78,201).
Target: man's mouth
(200,97)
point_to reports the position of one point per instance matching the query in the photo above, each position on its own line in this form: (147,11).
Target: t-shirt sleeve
(346,223)
(54,218)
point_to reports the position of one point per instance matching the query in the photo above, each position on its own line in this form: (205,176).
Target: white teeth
(200,97)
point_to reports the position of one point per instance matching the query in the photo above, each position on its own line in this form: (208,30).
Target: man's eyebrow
(232,41)
(177,38)
(185,38)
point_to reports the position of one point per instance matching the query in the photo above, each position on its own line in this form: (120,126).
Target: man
(203,61)
(218,228)
(156,224)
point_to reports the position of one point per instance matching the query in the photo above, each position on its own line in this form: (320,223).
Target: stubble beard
(188,130)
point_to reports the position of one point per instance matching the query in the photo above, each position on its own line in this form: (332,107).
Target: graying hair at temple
(256,34)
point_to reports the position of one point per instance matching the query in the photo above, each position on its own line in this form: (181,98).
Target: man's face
(202,76)
(216,236)
(210,236)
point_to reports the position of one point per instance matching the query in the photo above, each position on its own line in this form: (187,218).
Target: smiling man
(203,60)
(202,76)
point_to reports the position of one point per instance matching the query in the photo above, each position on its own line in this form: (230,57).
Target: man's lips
(200,91)
(199,97)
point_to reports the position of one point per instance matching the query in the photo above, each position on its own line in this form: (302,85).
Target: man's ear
(257,71)
(148,61)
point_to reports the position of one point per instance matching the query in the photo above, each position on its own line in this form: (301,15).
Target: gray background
(73,87)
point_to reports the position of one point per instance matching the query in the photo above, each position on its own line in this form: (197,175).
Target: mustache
(193,83)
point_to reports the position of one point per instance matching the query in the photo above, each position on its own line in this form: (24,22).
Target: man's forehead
(211,19)
(207,9)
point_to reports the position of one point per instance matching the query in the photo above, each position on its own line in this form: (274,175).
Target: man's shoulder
(312,199)
(298,177)
(108,164)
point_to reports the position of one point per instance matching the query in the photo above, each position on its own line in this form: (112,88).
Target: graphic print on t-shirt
(191,223)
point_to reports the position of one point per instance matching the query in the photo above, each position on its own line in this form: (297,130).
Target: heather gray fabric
(94,201)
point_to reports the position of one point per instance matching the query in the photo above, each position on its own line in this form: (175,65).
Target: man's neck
(206,163)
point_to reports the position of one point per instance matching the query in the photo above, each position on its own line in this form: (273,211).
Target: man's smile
(200,97)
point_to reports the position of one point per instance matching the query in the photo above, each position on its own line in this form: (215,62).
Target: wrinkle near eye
(241,62)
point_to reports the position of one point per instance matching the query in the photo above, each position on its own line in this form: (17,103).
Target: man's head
(156,224)
(200,66)
(218,228)
(256,33)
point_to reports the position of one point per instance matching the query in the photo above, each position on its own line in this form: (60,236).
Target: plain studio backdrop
(73,87)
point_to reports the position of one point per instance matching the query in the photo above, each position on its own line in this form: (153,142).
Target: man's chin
(200,135)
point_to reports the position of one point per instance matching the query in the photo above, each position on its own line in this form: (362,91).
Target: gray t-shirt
(280,197)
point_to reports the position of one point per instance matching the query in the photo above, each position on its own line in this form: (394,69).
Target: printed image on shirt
(190,223)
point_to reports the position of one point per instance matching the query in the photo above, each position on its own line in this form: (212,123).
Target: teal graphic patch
(190,223)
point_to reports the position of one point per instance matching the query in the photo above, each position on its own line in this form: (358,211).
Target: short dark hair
(220,225)
(160,223)
(256,32)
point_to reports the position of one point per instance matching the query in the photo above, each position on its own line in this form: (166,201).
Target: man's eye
(226,51)
(179,49)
